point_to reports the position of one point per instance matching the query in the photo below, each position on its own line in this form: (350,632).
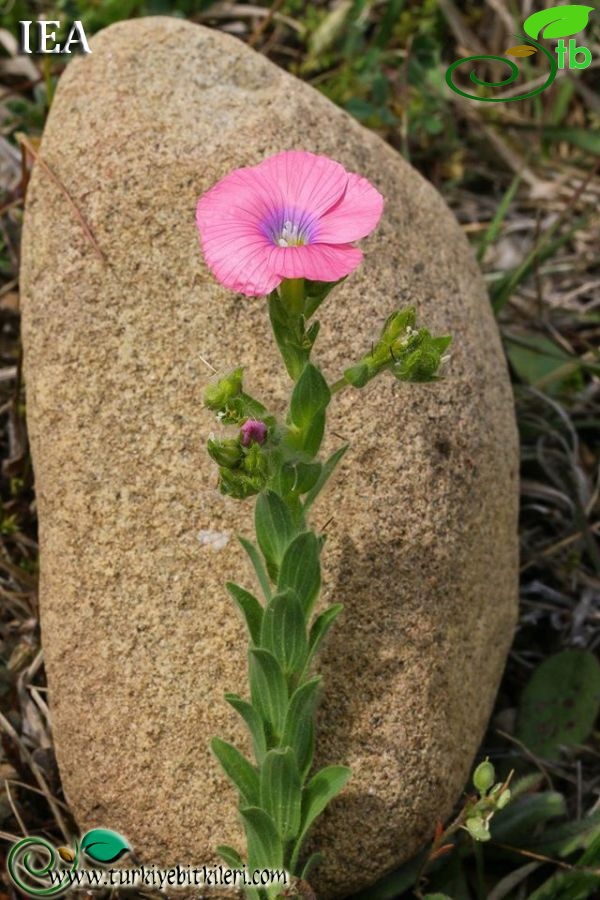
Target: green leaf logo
(103,845)
(557,23)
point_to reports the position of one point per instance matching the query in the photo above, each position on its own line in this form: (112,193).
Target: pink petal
(317,262)
(296,178)
(236,250)
(354,216)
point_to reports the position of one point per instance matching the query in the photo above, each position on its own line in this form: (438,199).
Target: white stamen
(289,236)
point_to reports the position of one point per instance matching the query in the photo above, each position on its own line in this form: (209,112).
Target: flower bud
(357,375)
(253,431)
(483,776)
(237,484)
(226,453)
(399,324)
(503,799)
(216,396)
(478,829)
(255,462)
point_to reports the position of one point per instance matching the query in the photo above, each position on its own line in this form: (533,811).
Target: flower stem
(338,385)
(291,291)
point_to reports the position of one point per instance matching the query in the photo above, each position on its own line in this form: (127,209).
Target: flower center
(291,235)
(287,226)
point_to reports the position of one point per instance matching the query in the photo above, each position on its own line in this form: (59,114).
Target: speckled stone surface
(140,638)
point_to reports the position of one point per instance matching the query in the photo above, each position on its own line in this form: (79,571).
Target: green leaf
(235,765)
(563,840)
(268,688)
(265,850)
(515,823)
(318,793)
(536,358)
(281,791)
(562,21)
(104,845)
(298,729)
(328,469)
(256,561)
(250,608)
(284,632)
(321,626)
(274,529)
(571,885)
(253,721)
(560,703)
(231,856)
(310,396)
(313,860)
(301,570)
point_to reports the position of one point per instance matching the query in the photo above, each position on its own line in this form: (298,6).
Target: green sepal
(268,688)
(254,723)
(258,566)
(315,292)
(327,471)
(281,791)
(317,794)
(265,849)
(301,570)
(284,632)
(298,729)
(249,607)
(238,769)
(274,529)
(231,856)
(290,336)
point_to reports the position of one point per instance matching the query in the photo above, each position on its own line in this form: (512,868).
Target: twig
(25,143)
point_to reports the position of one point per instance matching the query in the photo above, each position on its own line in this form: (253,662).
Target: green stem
(338,385)
(291,291)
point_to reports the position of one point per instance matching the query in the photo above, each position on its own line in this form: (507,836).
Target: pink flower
(294,215)
(253,432)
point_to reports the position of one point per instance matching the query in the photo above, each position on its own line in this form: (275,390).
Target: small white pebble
(215,539)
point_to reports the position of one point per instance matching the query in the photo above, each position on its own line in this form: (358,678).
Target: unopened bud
(226,453)
(503,799)
(483,776)
(478,829)
(399,324)
(253,431)
(216,396)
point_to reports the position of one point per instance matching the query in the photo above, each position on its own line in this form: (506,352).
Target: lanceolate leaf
(249,607)
(310,396)
(231,856)
(274,529)
(320,790)
(256,561)
(281,791)
(326,472)
(321,626)
(238,769)
(268,688)
(265,850)
(301,570)
(253,721)
(298,730)
(284,631)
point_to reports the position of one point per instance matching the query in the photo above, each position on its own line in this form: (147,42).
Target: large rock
(140,638)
